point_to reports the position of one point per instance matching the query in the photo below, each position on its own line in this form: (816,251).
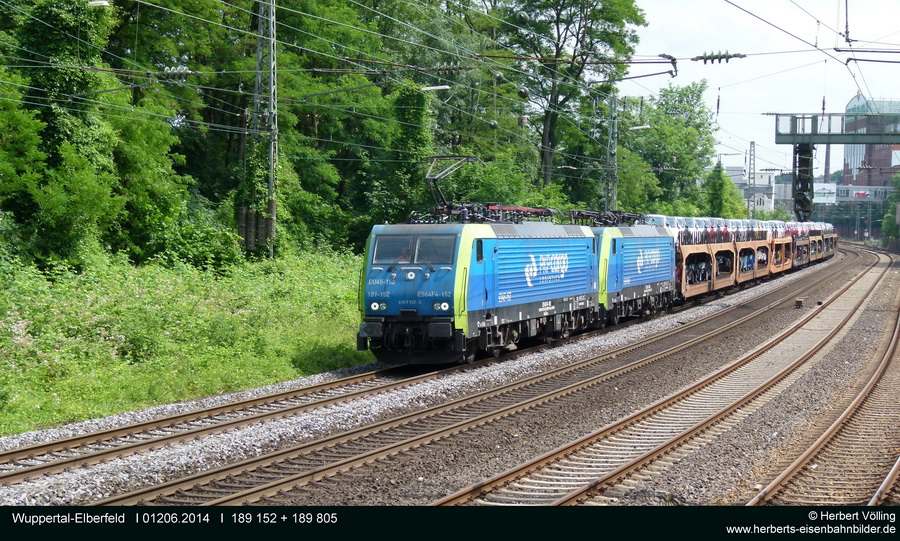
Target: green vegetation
(125,127)
(890,231)
(127,153)
(116,337)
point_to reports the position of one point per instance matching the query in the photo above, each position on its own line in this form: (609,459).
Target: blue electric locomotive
(441,292)
(438,293)
(637,271)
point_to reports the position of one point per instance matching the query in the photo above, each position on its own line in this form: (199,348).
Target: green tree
(77,205)
(111,178)
(21,162)
(394,193)
(681,142)
(168,157)
(497,180)
(889,228)
(723,199)
(568,43)
(66,208)
(157,198)
(638,186)
(337,121)
(779,213)
(62,36)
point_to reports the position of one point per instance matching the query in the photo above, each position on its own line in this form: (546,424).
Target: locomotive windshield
(429,249)
(391,249)
(435,250)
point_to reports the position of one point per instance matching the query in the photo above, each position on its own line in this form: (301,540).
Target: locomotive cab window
(422,250)
(391,249)
(435,249)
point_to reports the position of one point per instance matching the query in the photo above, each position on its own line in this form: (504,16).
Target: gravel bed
(429,474)
(746,458)
(420,477)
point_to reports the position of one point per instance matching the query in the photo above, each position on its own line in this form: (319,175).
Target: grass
(117,337)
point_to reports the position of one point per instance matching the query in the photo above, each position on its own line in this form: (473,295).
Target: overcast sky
(783,71)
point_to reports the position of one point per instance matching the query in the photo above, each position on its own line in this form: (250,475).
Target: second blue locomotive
(439,293)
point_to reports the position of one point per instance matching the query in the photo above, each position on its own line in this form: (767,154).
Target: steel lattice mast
(264,118)
(751,180)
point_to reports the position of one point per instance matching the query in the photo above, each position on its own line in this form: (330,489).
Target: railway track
(24,463)
(889,491)
(52,457)
(856,461)
(264,478)
(588,470)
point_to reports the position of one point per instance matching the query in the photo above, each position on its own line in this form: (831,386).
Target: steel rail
(628,469)
(565,451)
(792,471)
(107,437)
(344,465)
(887,486)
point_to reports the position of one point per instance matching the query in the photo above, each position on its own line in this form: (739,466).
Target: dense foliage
(130,145)
(109,146)
(889,228)
(116,337)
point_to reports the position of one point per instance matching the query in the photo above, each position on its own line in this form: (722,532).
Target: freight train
(478,279)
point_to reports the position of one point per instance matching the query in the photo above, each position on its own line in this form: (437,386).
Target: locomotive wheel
(469,355)
(547,336)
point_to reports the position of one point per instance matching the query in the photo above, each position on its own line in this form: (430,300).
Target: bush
(206,246)
(114,337)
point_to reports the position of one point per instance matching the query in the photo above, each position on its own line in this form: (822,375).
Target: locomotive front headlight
(440,306)
(378,306)
(374,306)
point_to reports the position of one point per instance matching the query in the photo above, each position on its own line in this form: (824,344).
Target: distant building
(762,190)
(858,204)
(871,165)
(857,212)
